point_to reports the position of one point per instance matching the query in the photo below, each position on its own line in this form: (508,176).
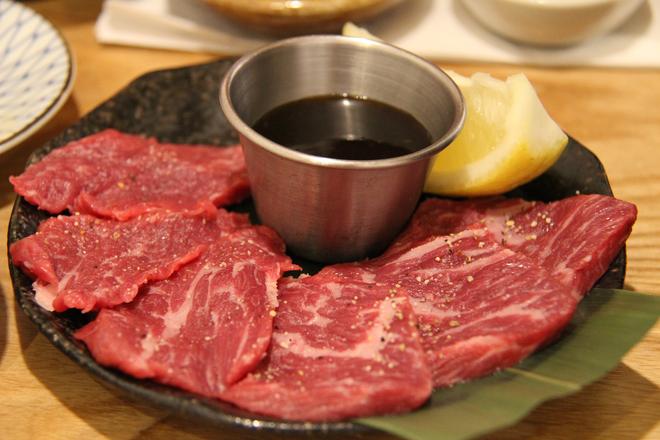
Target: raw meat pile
(193,296)
(116,175)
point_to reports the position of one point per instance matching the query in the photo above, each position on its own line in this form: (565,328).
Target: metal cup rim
(280,150)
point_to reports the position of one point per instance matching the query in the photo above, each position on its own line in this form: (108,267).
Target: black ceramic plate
(181,105)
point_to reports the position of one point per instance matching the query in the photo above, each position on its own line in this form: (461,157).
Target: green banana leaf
(607,324)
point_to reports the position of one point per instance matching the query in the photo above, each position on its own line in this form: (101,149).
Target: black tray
(181,106)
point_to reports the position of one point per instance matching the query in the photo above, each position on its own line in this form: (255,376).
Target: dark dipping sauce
(344,127)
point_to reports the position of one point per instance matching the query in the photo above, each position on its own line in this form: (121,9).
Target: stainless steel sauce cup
(326,209)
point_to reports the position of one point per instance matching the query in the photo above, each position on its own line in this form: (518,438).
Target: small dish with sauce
(338,135)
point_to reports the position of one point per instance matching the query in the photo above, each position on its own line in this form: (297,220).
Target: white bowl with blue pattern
(36,72)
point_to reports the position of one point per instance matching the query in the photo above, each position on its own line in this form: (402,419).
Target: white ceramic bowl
(552,22)
(37,73)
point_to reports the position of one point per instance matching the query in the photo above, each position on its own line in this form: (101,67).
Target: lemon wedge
(508,139)
(352,30)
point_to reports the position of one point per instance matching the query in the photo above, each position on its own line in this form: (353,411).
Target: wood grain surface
(616,113)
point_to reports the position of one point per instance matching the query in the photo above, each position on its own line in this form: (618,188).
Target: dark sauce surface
(344,127)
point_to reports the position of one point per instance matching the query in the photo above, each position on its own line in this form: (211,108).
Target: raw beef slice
(575,239)
(480,306)
(204,327)
(341,348)
(436,216)
(86,263)
(116,175)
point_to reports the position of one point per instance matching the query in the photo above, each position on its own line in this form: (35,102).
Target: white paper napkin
(436,29)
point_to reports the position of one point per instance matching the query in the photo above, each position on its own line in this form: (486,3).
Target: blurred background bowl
(552,22)
(299,16)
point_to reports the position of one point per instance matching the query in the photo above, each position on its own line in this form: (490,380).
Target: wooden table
(616,113)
